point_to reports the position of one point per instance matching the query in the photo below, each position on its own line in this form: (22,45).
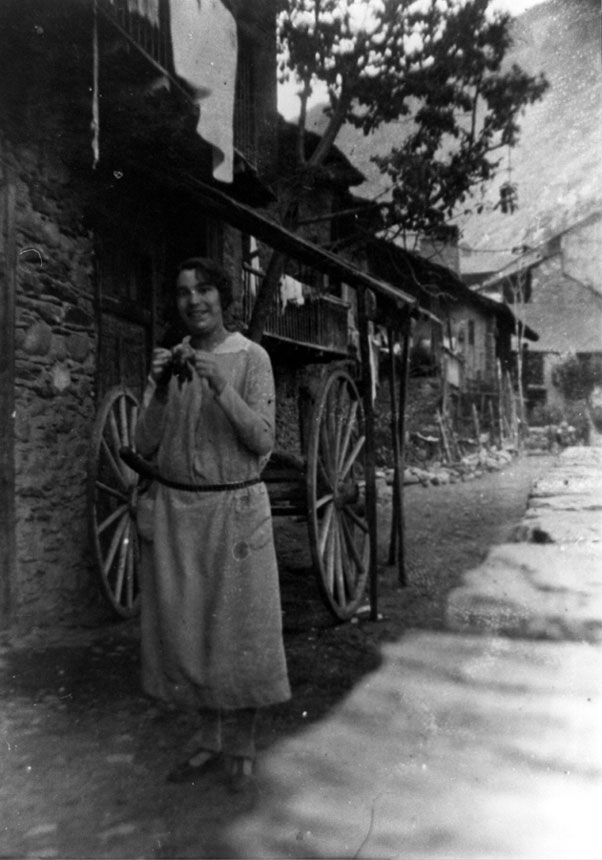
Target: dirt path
(83,756)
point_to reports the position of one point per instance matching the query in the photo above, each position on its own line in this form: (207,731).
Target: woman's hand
(160,369)
(207,368)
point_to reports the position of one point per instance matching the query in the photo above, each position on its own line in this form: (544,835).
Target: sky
(288,103)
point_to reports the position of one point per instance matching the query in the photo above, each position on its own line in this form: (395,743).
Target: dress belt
(206,488)
(147,470)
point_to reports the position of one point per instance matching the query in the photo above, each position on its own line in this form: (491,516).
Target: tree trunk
(275,269)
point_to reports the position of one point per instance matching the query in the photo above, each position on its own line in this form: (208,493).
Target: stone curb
(546,585)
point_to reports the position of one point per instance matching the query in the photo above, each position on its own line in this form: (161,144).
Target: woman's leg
(203,750)
(208,737)
(239,732)
(239,746)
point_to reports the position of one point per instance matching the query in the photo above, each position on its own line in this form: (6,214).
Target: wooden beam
(248,220)
(370,476)
(401,435)
(394,540)
(8,275)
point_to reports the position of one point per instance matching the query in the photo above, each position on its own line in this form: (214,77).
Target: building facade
(99,156)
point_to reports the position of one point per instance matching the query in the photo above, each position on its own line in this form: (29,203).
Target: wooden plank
(401,435)
(370,475)
(248,220)
(444,439)
(393,404)
(8,277)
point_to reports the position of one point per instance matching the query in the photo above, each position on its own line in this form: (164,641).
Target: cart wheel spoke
(122,562)
(362,523)
(325,477)
(341,425)
(324,531)
(351,545)
(352,458)
(112,461)
(329,556)
(324,500)
(326,456)
(117,514)
(116,441)
(111,491)
(115,544)
(338,565)
(349,428)
(339,537)
(113,494)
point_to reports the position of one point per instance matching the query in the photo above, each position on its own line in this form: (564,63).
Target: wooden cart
(328,485)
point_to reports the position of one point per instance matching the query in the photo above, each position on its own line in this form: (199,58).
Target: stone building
(556,288)
(109,175)
(99,158)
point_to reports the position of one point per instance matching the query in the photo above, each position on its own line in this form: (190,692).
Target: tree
(437,62)
(578,376)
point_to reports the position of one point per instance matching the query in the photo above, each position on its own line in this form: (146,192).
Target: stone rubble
(468,468)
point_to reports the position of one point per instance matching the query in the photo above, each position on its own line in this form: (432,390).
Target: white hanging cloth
(291,291)
(253,261)
(205,48)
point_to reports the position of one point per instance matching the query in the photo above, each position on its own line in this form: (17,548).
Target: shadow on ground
(86,754)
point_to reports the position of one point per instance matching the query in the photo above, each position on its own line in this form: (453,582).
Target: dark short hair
(216,274)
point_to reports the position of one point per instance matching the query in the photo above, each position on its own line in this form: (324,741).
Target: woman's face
(199,304)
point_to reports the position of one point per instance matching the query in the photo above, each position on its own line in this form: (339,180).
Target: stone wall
(61,202)
(54,392)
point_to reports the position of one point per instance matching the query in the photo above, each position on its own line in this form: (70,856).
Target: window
(533,368)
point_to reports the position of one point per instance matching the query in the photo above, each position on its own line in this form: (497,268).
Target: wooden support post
(8,279)
(370,450)
(513,413)
(398,405)
(444,439)
(477,426)
(395,513)
(500,401)
(453,439)
(492,421)
(401,434)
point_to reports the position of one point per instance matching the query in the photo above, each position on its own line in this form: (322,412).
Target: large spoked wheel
(113,495)
(338,526)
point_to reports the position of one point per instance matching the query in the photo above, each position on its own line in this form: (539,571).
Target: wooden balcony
(320,324)
(154,43)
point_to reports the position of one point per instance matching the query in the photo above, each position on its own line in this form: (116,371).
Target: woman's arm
(253,414)
(149,427)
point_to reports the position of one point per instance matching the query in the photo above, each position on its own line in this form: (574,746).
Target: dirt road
(84,755)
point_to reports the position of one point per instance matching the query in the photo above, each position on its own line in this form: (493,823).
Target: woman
(211,617)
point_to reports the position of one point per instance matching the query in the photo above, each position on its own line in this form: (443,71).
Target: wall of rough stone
(54,392)
(46,112)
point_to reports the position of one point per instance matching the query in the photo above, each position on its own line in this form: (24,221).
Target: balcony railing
(320,323)
(154,42)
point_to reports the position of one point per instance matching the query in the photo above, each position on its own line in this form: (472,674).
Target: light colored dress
(210,599)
